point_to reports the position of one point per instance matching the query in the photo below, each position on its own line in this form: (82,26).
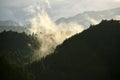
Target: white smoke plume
(117,17)
(48,33)
(48,3)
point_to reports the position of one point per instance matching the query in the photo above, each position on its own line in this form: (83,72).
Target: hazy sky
(14,9)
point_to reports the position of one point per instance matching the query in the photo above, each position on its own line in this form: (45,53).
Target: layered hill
(13,26)
(91,17)
(93,54)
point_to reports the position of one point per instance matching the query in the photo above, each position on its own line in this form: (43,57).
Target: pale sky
(14,9)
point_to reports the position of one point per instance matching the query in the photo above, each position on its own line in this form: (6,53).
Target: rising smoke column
(48,33)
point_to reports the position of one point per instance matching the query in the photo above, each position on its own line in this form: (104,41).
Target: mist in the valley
(47,32)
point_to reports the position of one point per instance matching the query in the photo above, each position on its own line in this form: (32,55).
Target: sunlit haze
(14,9)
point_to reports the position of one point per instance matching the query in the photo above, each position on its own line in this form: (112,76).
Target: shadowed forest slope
(93,54)
(18,47)
(12,71)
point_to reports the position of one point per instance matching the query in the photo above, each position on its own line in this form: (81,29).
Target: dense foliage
(18,47)
(13,71)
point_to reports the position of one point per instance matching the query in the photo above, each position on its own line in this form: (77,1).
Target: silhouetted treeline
(93,54)
(19,47)
(16,49)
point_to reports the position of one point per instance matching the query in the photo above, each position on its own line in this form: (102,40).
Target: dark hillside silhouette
(18,47)
(93,54)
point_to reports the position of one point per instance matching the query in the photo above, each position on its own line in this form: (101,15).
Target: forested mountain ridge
(18,47)
(93,54)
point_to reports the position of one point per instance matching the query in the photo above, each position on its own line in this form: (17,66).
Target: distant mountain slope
(91,17)
(93,54)
(12,25)
(9,23)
